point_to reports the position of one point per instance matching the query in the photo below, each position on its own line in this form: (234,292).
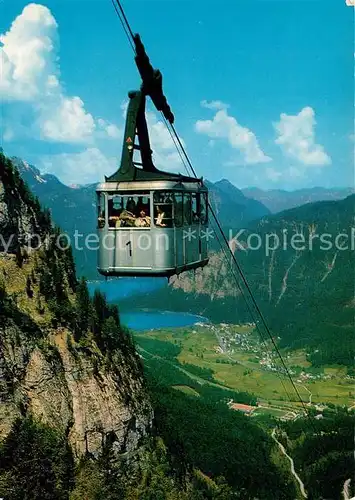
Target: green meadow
(194,353)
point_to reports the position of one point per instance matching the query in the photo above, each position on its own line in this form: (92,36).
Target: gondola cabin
(150,222)
(155,228)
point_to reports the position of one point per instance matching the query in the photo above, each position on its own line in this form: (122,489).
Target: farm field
(190,391)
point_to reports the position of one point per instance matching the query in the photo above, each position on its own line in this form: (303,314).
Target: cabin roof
(138,174)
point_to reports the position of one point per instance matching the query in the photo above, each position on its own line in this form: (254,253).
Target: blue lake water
(123,288)
(148,320)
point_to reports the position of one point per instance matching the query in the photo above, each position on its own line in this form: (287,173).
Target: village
(237,338)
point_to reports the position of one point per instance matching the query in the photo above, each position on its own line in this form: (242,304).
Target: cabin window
(187,209)
(204,209)
(163,209)
(178,209)
(129,210)
(195,206)
(101,201)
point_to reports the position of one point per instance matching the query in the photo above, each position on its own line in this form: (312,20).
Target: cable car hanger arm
(136,123)
(152,80)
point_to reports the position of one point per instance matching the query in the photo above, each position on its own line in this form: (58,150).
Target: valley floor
(230,357)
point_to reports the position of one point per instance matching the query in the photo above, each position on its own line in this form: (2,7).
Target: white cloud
(295,173)
(28,55)
(66,121)
(296,137)
(85,167)
(37,106)
(91,164)
(165,155)
(124,107)
(223,126)
(290,174)
(159,134)
(272,174)
(31,75)
(216,105)
(108,129)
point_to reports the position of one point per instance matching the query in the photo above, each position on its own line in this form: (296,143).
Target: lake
(150,320)
(123,288)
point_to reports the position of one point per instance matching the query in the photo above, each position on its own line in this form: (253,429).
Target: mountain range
(300,267)
(307,295)
(73,208)
(78,416)
(75,398)
(277,200)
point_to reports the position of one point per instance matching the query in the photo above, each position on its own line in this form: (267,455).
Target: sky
(262,91)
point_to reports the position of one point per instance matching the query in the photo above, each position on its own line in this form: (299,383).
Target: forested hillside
(325,460)
(300,266)
(75,400)
(76,417)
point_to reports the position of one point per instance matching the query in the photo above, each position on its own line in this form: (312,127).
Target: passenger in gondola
(101,220)
(119,217)
(131,206)
(113,214)
(160,217)
(168,199)
(139,206)
(195,217)
(143,220)
(127,219)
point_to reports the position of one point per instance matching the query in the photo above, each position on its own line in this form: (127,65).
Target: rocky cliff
(76,419)
(71,393)
(48,368)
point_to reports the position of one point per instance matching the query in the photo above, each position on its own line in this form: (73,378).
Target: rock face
(18,219)
(66,389)
(45,373)
(211,280)
(49,369)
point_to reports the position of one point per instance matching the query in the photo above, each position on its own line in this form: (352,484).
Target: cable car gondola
(168,205)
(150,222)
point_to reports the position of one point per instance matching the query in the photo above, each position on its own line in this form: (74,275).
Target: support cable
(129,33)
(124,22)
(228,262)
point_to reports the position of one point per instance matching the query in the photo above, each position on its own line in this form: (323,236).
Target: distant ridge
(232,207)
(305,289)
(277,200)
(73,207)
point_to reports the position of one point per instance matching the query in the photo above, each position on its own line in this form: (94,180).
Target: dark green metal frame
(136,125)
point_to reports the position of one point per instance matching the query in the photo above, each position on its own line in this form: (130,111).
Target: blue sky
(275,79)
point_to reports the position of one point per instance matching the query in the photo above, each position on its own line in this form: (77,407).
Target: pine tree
(110,334)
(39,305)
(33,277)
(83,308)
(29,290)
(2,292)
(70,268)
(100,314)
(45,283)
(19,257)
(113,311)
